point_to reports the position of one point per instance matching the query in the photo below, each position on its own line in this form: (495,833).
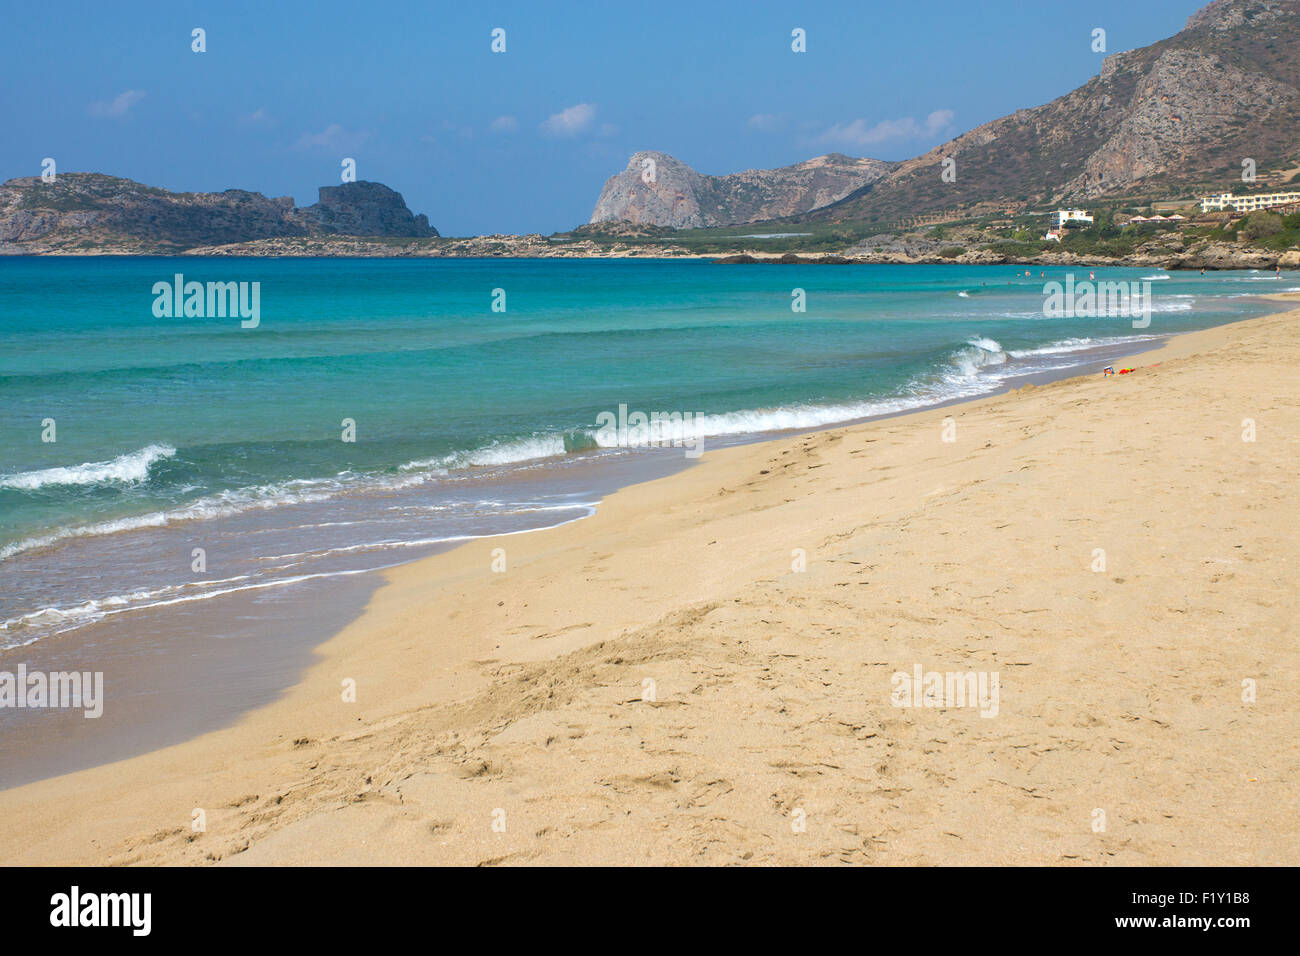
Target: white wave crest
(1078,345)
(221,505)
(979,353)
(130,468)
(497,453)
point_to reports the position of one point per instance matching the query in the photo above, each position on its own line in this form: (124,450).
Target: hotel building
(1251,203)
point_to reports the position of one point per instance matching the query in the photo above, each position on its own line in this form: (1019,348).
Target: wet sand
(172,673)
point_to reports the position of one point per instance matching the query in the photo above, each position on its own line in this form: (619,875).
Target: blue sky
(522,141)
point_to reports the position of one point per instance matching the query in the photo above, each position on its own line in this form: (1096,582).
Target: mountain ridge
(77,211)
(1184,111)
(659,189)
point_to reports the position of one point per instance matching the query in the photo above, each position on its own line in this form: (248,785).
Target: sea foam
(130,468)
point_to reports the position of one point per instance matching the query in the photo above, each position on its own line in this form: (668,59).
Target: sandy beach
(702,672)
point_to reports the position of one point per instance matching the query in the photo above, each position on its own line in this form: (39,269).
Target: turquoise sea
(192,457)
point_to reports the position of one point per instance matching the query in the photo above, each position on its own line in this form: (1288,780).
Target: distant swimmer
(1092,275)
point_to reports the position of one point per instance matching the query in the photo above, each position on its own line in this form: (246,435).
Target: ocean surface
(194,458)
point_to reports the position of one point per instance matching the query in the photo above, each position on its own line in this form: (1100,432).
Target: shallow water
(194,458)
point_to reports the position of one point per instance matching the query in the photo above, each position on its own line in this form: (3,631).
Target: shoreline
(464,697)
(237,651)
(1246,261)
(183,712)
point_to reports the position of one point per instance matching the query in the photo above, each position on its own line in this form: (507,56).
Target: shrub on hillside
(1259,225)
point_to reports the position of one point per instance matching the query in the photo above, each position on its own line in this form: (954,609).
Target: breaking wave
(130,468)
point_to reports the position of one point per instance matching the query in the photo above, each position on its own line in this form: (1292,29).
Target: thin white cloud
(766,122)
(259,116)
(118,106)
(504,124)
(571,121)
(938,121)
(858,133)
(332,137)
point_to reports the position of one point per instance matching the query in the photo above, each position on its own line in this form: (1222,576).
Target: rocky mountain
(87,212)
(1183,112)
(656,189)
(364,209)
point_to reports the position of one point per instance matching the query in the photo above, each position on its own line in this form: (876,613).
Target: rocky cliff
(656,189)
(364,209)
(81,212)
(1180,113)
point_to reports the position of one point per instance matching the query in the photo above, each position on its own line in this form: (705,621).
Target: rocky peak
(365,209)
(658,189)
(1224,15)
(654,189)
(1180,114)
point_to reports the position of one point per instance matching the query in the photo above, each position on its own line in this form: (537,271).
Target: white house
(1062,216)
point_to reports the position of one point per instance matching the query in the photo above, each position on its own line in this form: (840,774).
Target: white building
(1062,216)
(1222,201)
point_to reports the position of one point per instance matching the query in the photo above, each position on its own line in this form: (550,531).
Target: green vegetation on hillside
(819,237)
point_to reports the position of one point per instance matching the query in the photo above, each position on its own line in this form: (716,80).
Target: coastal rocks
(789,259)
(912,250)
(1219,255)
(980,257)
(658,189)
(865,257)
(531,246)
(912,247)
(90,213)
(363,209)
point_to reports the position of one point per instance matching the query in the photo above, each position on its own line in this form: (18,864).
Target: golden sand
(658,684)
